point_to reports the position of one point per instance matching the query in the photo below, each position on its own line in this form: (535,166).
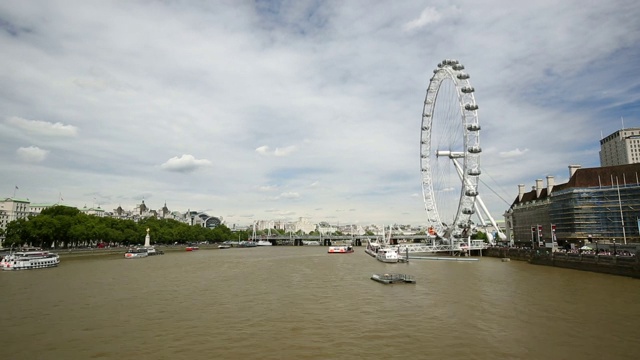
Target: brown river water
(302,303)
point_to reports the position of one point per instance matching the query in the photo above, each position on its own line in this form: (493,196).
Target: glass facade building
(596,204)
(597,214)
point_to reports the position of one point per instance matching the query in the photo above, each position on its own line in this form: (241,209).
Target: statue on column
(147,239)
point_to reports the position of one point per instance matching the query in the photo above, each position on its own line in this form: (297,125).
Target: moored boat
(26,260)
(134,253)
(192,248)
(224,246)
(264,243)
(387,255)
(372,247)
(151,251)
(340,249)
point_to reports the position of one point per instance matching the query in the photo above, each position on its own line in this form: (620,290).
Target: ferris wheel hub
(450,154)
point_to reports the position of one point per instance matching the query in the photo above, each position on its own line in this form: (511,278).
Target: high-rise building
(620,148)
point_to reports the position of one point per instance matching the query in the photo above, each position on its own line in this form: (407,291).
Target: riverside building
(596,204)
(12,209)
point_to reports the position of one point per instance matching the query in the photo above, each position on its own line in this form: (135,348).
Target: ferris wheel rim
(469,171)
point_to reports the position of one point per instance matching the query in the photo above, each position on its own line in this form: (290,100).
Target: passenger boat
(192,248)
(151,251)
(134,253)
(25,260)
(340,249)
(387,255)
(264,243)
(393,278)
(372,248)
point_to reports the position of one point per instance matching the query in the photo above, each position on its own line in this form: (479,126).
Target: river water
(302,303)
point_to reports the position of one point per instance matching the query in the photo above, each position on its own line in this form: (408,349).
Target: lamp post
(614,247)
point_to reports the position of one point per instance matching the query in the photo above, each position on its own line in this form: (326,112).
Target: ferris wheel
(450,152)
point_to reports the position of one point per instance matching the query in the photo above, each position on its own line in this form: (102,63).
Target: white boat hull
(340,250)
(387,255)
(29,260)
(135,254)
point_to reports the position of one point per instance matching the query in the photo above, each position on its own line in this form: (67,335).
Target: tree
(480,235)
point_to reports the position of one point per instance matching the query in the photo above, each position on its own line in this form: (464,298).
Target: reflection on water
(302,303)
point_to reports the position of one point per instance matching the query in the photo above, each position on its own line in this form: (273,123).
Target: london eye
(450,152)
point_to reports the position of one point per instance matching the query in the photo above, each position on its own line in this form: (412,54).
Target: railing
(432,248)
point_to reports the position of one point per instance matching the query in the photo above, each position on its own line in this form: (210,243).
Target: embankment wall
(606,264)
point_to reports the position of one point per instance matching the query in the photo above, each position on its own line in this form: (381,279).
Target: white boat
(387,255)
(224,246)
(372,247)
(264,243)
(134,253)
(311,242)
(24,260)
(345,249)
(151,251)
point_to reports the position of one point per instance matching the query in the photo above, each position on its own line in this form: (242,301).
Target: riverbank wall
(605,264)
(117,251)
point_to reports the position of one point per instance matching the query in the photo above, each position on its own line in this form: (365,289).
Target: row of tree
(63,226)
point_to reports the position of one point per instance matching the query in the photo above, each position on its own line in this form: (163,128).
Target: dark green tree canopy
(64,226)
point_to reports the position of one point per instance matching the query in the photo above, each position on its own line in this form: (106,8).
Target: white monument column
(147,239)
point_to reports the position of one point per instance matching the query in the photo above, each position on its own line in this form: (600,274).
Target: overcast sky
(275,110)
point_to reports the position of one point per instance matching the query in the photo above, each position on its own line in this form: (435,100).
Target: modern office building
(620,148)
(596,204)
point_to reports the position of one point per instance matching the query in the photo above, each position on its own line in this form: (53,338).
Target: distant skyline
(275,110)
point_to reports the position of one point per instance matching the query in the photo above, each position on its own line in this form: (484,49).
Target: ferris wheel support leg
(491,219)
(480,214)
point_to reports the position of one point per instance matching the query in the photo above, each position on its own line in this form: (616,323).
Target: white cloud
(32,154)
(427,16)
(513,153)
(290,195)
(278,152)
(288,150)
(263,150)
(185,164)
(42,127)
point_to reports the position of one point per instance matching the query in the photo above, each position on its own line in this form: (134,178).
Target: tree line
(65,227)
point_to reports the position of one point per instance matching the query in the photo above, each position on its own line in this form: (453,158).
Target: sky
(276,110)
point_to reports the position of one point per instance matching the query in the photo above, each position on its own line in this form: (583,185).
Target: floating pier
(446,258)
(393,278)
